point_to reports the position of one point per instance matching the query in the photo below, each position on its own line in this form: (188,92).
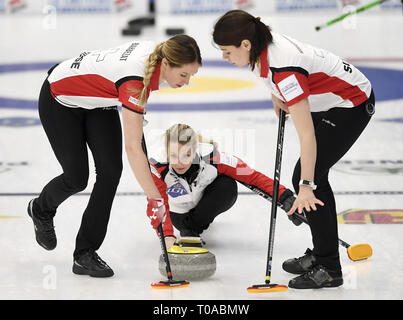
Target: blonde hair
(184,134)
(178,50)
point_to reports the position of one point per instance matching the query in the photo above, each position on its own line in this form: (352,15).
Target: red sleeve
(129,94)
(235,168)
(162,188)
(292,85)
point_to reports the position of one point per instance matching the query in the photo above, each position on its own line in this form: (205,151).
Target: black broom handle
(164,251)
(300,217)
(160,229)
(277,171)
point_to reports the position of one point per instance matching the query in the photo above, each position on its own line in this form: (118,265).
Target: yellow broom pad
(359,251)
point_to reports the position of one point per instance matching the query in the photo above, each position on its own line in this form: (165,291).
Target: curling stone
(190,263)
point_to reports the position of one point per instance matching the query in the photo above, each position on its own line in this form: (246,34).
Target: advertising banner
(131,7)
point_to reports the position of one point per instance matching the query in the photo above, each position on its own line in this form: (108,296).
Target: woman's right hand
(279,104)
(169,241)
(156,212)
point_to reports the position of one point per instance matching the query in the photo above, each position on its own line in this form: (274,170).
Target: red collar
(264,64)
(155,78)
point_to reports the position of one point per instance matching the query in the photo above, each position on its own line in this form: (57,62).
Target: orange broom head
(170,284)
(359,251)
(260,288)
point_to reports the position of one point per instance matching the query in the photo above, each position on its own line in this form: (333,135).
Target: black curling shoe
(318,277)
(44,229)
(300,265)
(92,265)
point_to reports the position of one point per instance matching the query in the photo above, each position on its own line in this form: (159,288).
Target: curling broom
(343,16)
(170,283)
(267,286)
(355,252)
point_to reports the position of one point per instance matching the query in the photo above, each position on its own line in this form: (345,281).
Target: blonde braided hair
(178,50)
(153,59)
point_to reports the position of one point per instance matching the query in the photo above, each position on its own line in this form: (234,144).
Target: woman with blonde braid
(78,107)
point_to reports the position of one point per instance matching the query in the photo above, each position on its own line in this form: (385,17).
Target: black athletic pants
(217,198)
(336,131)
(69,131)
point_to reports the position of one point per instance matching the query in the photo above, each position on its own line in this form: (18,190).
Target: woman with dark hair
(78,107)
(330,103)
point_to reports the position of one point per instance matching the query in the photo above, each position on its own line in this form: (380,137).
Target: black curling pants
(217,198)
(70,131)
(336,131)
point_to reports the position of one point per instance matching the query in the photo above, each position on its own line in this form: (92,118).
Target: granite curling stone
(189,263)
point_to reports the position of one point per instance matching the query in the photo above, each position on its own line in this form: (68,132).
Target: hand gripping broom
(170,283)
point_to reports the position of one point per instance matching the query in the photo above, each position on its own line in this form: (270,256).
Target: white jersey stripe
(297,70)
(94,79)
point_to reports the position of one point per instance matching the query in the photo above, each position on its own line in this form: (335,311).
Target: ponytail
(238,25)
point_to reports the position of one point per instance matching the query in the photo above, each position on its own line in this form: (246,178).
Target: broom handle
(164,251)
(345,15)
(277,171)
(301,217)
(160,229)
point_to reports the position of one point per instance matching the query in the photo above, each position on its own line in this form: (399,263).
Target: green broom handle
(360,9)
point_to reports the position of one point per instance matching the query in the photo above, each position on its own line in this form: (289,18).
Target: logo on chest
(177,190)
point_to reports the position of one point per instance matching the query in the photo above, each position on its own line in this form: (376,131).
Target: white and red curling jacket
(180,196)
(293,71)
(98,79)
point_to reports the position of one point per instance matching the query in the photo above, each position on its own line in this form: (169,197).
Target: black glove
(286,200)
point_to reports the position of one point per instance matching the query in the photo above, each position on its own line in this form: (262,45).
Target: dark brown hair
(238,25)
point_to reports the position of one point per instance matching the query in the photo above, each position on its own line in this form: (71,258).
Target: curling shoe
(300,265)
(318,277)
(92,265)
(44,229)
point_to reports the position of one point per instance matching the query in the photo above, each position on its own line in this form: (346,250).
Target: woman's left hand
(305,200)
(279,104)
